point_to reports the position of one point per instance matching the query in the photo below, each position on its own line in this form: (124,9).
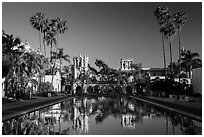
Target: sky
(109,31)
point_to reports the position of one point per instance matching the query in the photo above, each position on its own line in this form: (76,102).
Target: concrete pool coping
(11,110)
(168,106)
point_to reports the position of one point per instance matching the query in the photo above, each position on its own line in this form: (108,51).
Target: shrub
(79,90)
(129,90)
(45,88)
(196,95)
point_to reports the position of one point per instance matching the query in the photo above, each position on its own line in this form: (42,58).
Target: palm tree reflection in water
(85,115)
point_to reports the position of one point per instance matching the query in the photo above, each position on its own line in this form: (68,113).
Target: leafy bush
(45,88)
(79,90)
(168,87)
(129,90)
(195,95)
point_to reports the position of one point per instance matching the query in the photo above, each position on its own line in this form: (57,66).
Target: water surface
(102,116)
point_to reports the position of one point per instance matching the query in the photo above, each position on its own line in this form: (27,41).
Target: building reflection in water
(80,120)
(73,117)
(128,121)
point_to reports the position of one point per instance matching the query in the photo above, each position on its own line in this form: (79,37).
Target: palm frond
(194,55)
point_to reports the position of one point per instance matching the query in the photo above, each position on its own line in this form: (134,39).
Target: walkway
(10,110)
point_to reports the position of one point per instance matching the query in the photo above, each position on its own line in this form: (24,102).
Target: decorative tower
(80,65)
(126,64)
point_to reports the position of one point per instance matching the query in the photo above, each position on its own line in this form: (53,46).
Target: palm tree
(66,70)
(20,73)
(21,64)
(45,30)
(190,60)
(8,54)
(27,66)
(60,55)
(162,15)
(39,22)
(137,71)
(179,19)
(50,40)
(169,31)
(175,69)
(58,26)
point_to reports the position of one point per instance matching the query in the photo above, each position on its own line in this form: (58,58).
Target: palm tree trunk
(40,53)
(60,74)
(39,87)
(40,39)
(179,56)
(171,58)
(51,54)
(189,72)
(56,57)
(6,86)
(44,45)
(164,55)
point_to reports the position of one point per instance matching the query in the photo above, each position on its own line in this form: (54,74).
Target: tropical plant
(46,88)
(50,40)
(169,32)
(190,60)
(162,16)
(8,54)
(12,61)
(46,29)
(175,69)
(22,63)
(39,22)
(57,26)
(179,19)
(136,71)
(60,55)
(67,72)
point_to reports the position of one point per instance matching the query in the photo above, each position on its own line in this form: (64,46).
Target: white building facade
(56,81)
(80,64)
(126,64)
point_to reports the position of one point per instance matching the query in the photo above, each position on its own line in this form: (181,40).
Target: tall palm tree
(50,40)
(162,15)
(58,26)
(169,31)
(39,22)
(190,60)
(179,19)
(45,30)
(60,55)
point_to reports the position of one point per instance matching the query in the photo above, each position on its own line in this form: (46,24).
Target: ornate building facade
(80,64)
(126,64)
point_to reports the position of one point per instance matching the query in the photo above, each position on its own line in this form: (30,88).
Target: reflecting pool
(102,116)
